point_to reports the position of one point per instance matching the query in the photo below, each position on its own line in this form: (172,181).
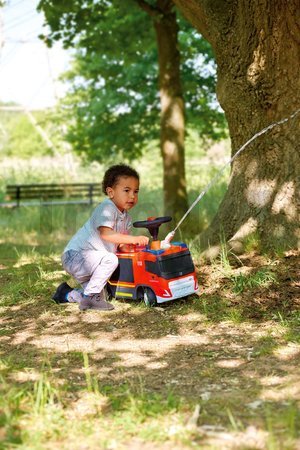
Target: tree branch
(206,15)
(149,9)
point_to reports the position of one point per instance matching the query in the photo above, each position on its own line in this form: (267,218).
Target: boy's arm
(112,236)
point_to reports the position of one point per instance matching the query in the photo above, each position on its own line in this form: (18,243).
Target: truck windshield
(175,266)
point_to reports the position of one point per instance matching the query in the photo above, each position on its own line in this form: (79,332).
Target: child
(90,255)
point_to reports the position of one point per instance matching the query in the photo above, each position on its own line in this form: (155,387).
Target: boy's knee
(112,260)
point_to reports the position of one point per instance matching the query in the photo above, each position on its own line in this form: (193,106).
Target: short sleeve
(104,216)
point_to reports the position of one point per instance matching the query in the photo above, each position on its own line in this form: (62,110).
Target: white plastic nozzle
(169,237)
(164,245)
(166,242)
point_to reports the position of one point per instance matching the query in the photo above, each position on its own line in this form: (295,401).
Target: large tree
(126,50)
(257,49)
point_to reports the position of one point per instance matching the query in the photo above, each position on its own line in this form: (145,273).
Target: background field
(218,370)
(56,224)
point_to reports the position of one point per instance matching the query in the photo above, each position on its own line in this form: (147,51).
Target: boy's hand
(140,240)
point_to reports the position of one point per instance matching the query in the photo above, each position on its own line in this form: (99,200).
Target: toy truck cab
(154,275)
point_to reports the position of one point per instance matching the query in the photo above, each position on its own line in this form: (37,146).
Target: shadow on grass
(217,350)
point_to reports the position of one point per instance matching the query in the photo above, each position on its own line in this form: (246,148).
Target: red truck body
(155,276)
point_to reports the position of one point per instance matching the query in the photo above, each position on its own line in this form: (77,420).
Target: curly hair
(112,175)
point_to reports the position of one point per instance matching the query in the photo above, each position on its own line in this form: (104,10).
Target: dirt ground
(219,351)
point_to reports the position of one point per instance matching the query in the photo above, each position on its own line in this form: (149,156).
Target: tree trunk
(172,111)
(257,48)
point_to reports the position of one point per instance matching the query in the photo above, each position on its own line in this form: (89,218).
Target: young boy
(90,255)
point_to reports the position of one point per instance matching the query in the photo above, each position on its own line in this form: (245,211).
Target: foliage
(18,137)
(113,106)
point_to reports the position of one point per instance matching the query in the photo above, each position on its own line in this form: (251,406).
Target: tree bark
(257,49)
(172,130)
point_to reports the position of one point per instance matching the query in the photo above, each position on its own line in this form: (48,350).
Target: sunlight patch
(251,169)
(27,375)
(287,352)
(88,404)
(285,393)
(24,336)
(55,275)
(271,380)
(257,66)
(247,228)
(230,363)
(32,257)
(283,201)
(259,193)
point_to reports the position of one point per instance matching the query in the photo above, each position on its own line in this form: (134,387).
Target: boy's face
(124,193)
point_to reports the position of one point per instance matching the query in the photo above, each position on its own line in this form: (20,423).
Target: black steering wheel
(152,224)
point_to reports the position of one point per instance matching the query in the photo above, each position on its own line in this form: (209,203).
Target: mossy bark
(257,49)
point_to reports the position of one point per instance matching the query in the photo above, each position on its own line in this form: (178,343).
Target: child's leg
(71,261)
(102,266)
(91,269)
(75,296)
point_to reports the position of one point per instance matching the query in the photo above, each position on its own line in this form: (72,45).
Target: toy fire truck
(151,273)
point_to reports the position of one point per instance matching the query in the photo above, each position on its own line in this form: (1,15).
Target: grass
(291,325)
(134,378)
(37,412)
(58,398)
(261,278)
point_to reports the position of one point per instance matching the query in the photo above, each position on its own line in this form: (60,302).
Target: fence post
(18,195)
(91,187)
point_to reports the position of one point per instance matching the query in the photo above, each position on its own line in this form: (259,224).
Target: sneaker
(61,292)
(95,301)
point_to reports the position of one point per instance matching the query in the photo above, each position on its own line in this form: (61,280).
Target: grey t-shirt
(106,214)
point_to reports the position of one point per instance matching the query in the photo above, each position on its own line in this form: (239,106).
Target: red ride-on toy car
(151,273)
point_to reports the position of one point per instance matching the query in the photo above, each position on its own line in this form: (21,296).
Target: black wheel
(147,295)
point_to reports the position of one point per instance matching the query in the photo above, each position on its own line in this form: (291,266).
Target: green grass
(59,401)
(291,324)
(265,346)
(222,347)
(260,279)
(36,412)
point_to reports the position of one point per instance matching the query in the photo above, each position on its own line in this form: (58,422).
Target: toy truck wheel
(148,296)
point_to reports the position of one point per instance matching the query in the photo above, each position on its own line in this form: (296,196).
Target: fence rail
(49,194)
